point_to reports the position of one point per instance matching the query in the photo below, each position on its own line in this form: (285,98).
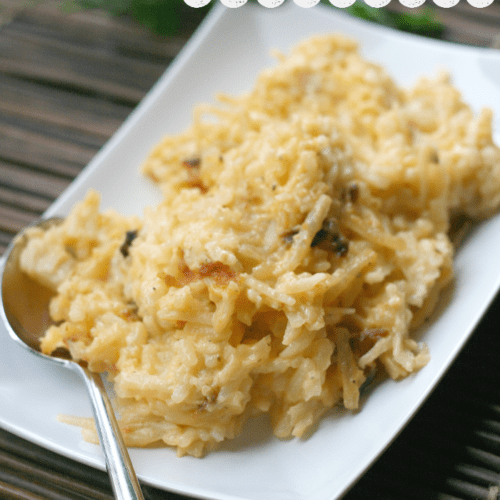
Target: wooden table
(67,81)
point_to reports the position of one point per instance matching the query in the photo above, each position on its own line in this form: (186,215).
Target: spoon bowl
(24,308)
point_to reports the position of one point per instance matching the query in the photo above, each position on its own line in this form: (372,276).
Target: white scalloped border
(271,4)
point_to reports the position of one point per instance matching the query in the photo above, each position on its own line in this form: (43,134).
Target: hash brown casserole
(302,238)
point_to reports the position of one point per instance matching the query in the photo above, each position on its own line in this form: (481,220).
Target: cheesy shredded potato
(303,235)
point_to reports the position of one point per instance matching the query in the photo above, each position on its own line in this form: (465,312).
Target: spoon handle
(121,472)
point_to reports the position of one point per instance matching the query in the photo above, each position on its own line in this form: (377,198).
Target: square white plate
(226,54)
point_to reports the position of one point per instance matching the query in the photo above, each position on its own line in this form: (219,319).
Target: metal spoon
(24,310)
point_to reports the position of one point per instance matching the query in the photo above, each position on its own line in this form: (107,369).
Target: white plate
(225,55)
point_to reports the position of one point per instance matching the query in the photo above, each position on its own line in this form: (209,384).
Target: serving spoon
(24,310)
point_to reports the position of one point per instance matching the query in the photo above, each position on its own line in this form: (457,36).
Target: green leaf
(420,22)
(171,17)
(363,11)
(164,17)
